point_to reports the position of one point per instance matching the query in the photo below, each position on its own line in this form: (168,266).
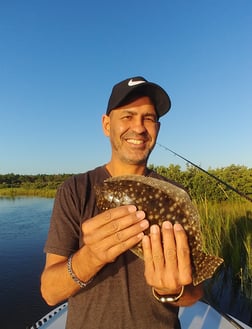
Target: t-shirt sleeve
(64,231)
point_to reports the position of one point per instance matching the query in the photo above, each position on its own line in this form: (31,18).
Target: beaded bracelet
(167,299)
(82,284)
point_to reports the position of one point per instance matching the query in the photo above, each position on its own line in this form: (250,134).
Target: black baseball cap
(132,88)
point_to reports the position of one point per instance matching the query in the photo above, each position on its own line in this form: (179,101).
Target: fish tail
(205,267)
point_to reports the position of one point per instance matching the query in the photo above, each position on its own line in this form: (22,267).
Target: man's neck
(119,170)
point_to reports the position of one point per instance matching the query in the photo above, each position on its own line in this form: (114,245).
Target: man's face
(133,129)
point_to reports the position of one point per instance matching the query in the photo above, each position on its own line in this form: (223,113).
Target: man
(88,259)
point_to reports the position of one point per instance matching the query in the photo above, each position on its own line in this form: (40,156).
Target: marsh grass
(20,191)
(227,232)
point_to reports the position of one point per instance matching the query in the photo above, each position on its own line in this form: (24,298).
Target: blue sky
(60,59)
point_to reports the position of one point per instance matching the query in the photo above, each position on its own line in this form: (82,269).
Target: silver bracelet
(166,298)
(82,284)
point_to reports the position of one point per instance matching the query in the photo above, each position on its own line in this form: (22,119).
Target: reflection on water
(24,225)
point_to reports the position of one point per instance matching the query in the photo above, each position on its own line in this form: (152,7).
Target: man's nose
(138,125)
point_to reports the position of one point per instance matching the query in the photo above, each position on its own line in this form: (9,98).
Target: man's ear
(158,126)
(106,125)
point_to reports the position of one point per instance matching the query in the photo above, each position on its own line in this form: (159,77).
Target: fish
(161,201)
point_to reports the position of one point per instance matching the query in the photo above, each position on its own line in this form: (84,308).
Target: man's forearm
(57,283)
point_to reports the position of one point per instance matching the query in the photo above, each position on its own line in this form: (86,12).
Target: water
(24,225)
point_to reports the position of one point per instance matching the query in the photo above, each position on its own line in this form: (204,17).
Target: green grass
(20,191)
(227,232)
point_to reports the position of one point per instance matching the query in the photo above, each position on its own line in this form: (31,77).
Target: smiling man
(133,129)
(88,259)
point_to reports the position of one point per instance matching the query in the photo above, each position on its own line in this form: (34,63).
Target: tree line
(199,185)
(40,181)
(202,186)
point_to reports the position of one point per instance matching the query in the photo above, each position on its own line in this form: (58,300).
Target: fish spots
(161,201)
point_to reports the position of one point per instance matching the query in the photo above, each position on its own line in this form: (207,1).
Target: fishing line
(208,173)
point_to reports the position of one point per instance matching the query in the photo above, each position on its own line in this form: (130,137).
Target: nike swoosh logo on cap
(132,83)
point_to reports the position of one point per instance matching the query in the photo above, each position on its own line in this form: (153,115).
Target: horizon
(150,164)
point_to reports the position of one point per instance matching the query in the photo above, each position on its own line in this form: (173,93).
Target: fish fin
(205,267)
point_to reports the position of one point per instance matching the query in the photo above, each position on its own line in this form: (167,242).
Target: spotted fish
(160,200)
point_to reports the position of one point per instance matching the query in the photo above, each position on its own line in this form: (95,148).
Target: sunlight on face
(132,129)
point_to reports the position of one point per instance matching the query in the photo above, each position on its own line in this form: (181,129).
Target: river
(24,225)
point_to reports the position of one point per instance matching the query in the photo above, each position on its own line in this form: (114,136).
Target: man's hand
(112,232)
(167,262)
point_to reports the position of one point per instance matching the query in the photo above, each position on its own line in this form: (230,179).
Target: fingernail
(154,229)
(178,227)
(167,225)
(140,235)
(132,208)
(140,214)
(144,224)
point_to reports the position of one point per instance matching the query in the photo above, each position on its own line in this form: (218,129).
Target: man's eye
(151,119)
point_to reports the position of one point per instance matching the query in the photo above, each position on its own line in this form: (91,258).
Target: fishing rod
(208,173)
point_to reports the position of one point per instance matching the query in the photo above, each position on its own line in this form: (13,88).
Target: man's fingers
(114,231)
(167,256)
(183,255)
(169,245)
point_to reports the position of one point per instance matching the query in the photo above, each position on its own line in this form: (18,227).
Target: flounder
(161,201)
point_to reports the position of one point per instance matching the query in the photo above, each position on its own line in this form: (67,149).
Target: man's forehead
(137,111)
(139,104)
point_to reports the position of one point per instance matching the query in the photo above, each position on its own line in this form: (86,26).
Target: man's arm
(106,236)
(56,282)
